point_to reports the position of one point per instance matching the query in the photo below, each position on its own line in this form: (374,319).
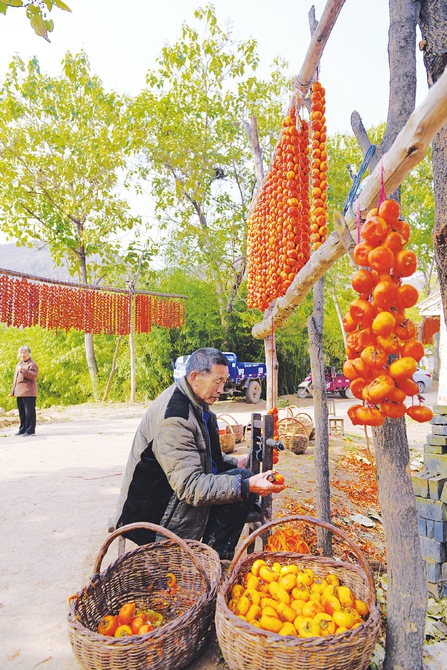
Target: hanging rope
(353,191)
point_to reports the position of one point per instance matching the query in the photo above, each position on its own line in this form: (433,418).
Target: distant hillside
(33,261)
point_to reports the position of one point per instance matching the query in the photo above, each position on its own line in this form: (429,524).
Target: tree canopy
(62,147)
(190,135)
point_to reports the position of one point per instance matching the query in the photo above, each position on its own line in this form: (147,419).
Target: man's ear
(193,376)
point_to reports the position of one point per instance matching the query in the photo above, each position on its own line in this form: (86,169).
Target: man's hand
(260,485)
(242,462)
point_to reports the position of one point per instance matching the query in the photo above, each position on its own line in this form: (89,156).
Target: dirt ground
(58,490)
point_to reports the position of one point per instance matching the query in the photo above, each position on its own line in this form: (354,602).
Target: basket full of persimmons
(284,609)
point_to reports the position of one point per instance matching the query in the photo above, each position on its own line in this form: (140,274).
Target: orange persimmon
(405,263)
(420,413)
(393,410)
(374,230)
(381,258)
(413,348)
(403,368)
(363,281)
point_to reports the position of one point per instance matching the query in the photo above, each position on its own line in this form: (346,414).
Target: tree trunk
(272,366)
(407,593)
(88,337)
(322,492)
(433,24)
(112,371)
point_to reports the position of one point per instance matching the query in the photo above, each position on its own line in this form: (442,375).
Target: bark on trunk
(112,371)
(88,337)
(433,24)
(322,492)
(407,593)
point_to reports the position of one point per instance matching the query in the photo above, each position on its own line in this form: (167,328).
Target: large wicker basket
(293,435)
(140,576)
(245,647)
(237,428)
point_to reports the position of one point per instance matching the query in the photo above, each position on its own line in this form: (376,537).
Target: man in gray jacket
(177,475)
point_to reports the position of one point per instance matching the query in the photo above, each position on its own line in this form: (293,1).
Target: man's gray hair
(202,360)
(24,348)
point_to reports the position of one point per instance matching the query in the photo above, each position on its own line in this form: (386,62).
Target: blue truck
(244,378)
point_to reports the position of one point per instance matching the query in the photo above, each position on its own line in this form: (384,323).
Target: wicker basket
(228,439)
(245,647)
(140,576)
(293,435)
(294,412)
(237,428)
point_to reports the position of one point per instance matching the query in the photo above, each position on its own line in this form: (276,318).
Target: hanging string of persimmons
(31,301)
(290,219)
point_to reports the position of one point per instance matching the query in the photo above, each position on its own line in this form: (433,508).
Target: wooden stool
(331,406)
(337,425)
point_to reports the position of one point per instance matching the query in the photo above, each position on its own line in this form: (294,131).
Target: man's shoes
(20,432)
(26,434)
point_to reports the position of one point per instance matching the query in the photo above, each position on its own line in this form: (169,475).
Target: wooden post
(322,493)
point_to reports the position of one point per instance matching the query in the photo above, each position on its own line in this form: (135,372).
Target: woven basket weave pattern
(140,576)
(293,435)
(245,647)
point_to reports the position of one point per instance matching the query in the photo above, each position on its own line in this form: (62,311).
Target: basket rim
(293,421)
(221,416)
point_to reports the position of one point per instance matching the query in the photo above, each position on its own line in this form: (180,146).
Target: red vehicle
(336,383)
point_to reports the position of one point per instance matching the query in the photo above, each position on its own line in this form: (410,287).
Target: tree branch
(359,131)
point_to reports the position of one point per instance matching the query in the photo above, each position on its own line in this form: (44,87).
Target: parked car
(423,380)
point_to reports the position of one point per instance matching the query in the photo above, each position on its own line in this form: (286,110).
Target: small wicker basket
(238,428)
(227,440)
(245,647)
(140,576)
(292,411)
(293,435)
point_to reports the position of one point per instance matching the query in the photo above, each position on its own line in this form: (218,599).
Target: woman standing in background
(24,388)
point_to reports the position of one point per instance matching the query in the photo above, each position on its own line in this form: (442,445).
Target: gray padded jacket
(168,478)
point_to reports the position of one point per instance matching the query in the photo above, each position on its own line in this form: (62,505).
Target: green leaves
(36,14)
(62,150)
